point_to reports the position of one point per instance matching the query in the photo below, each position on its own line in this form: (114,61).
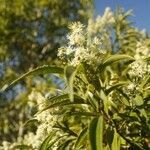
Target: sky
(141,10)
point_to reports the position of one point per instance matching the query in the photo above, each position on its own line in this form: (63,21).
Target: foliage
(105,101)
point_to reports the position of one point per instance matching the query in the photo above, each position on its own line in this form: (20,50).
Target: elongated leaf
(92,100)
(107,102)
(115,86)
(31,121)
(110,136)
(64,145)
(115,58)
(51,144)
(45,143)
(92,133)
(64,103)
(145,81)
(81,139)
(64,100)
(58,98)
(70,73)
(116,141)
(88,114)
(40,70)
(96,133)
(99,134)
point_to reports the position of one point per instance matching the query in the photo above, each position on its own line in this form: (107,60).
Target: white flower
(142,51)
(131,87)
(38,98)
(6,145)
(88,44)
(76,27)
(76,36)
(138,68)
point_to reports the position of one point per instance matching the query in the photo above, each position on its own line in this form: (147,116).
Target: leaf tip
(4,88)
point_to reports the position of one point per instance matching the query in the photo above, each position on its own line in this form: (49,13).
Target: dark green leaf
(31,121)
(113,87)
(81,138)
(64,100)
(96,133)
(110,136)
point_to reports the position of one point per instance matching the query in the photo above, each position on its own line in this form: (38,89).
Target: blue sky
(141,10)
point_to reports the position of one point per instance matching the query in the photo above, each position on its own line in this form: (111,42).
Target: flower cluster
(140,67)
(142,50)
(101,23)
(45,119)
(88,44)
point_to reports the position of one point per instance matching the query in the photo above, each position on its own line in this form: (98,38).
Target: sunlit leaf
(40,70)
(116,141)
(115,58)
(138,100)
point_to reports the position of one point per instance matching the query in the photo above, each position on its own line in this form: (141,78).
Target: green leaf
(81,138)
(143,113)
(107,102)
(145,81)
(99,134)
(115,58)
(31,121)
(40,70)
(138,100)
(92,133)
(110,136)
(113,87)
(51,144)
(96,133)
(57,98)
(63,100)
(45,143)
(88,114)
(70,73)
(116,141)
